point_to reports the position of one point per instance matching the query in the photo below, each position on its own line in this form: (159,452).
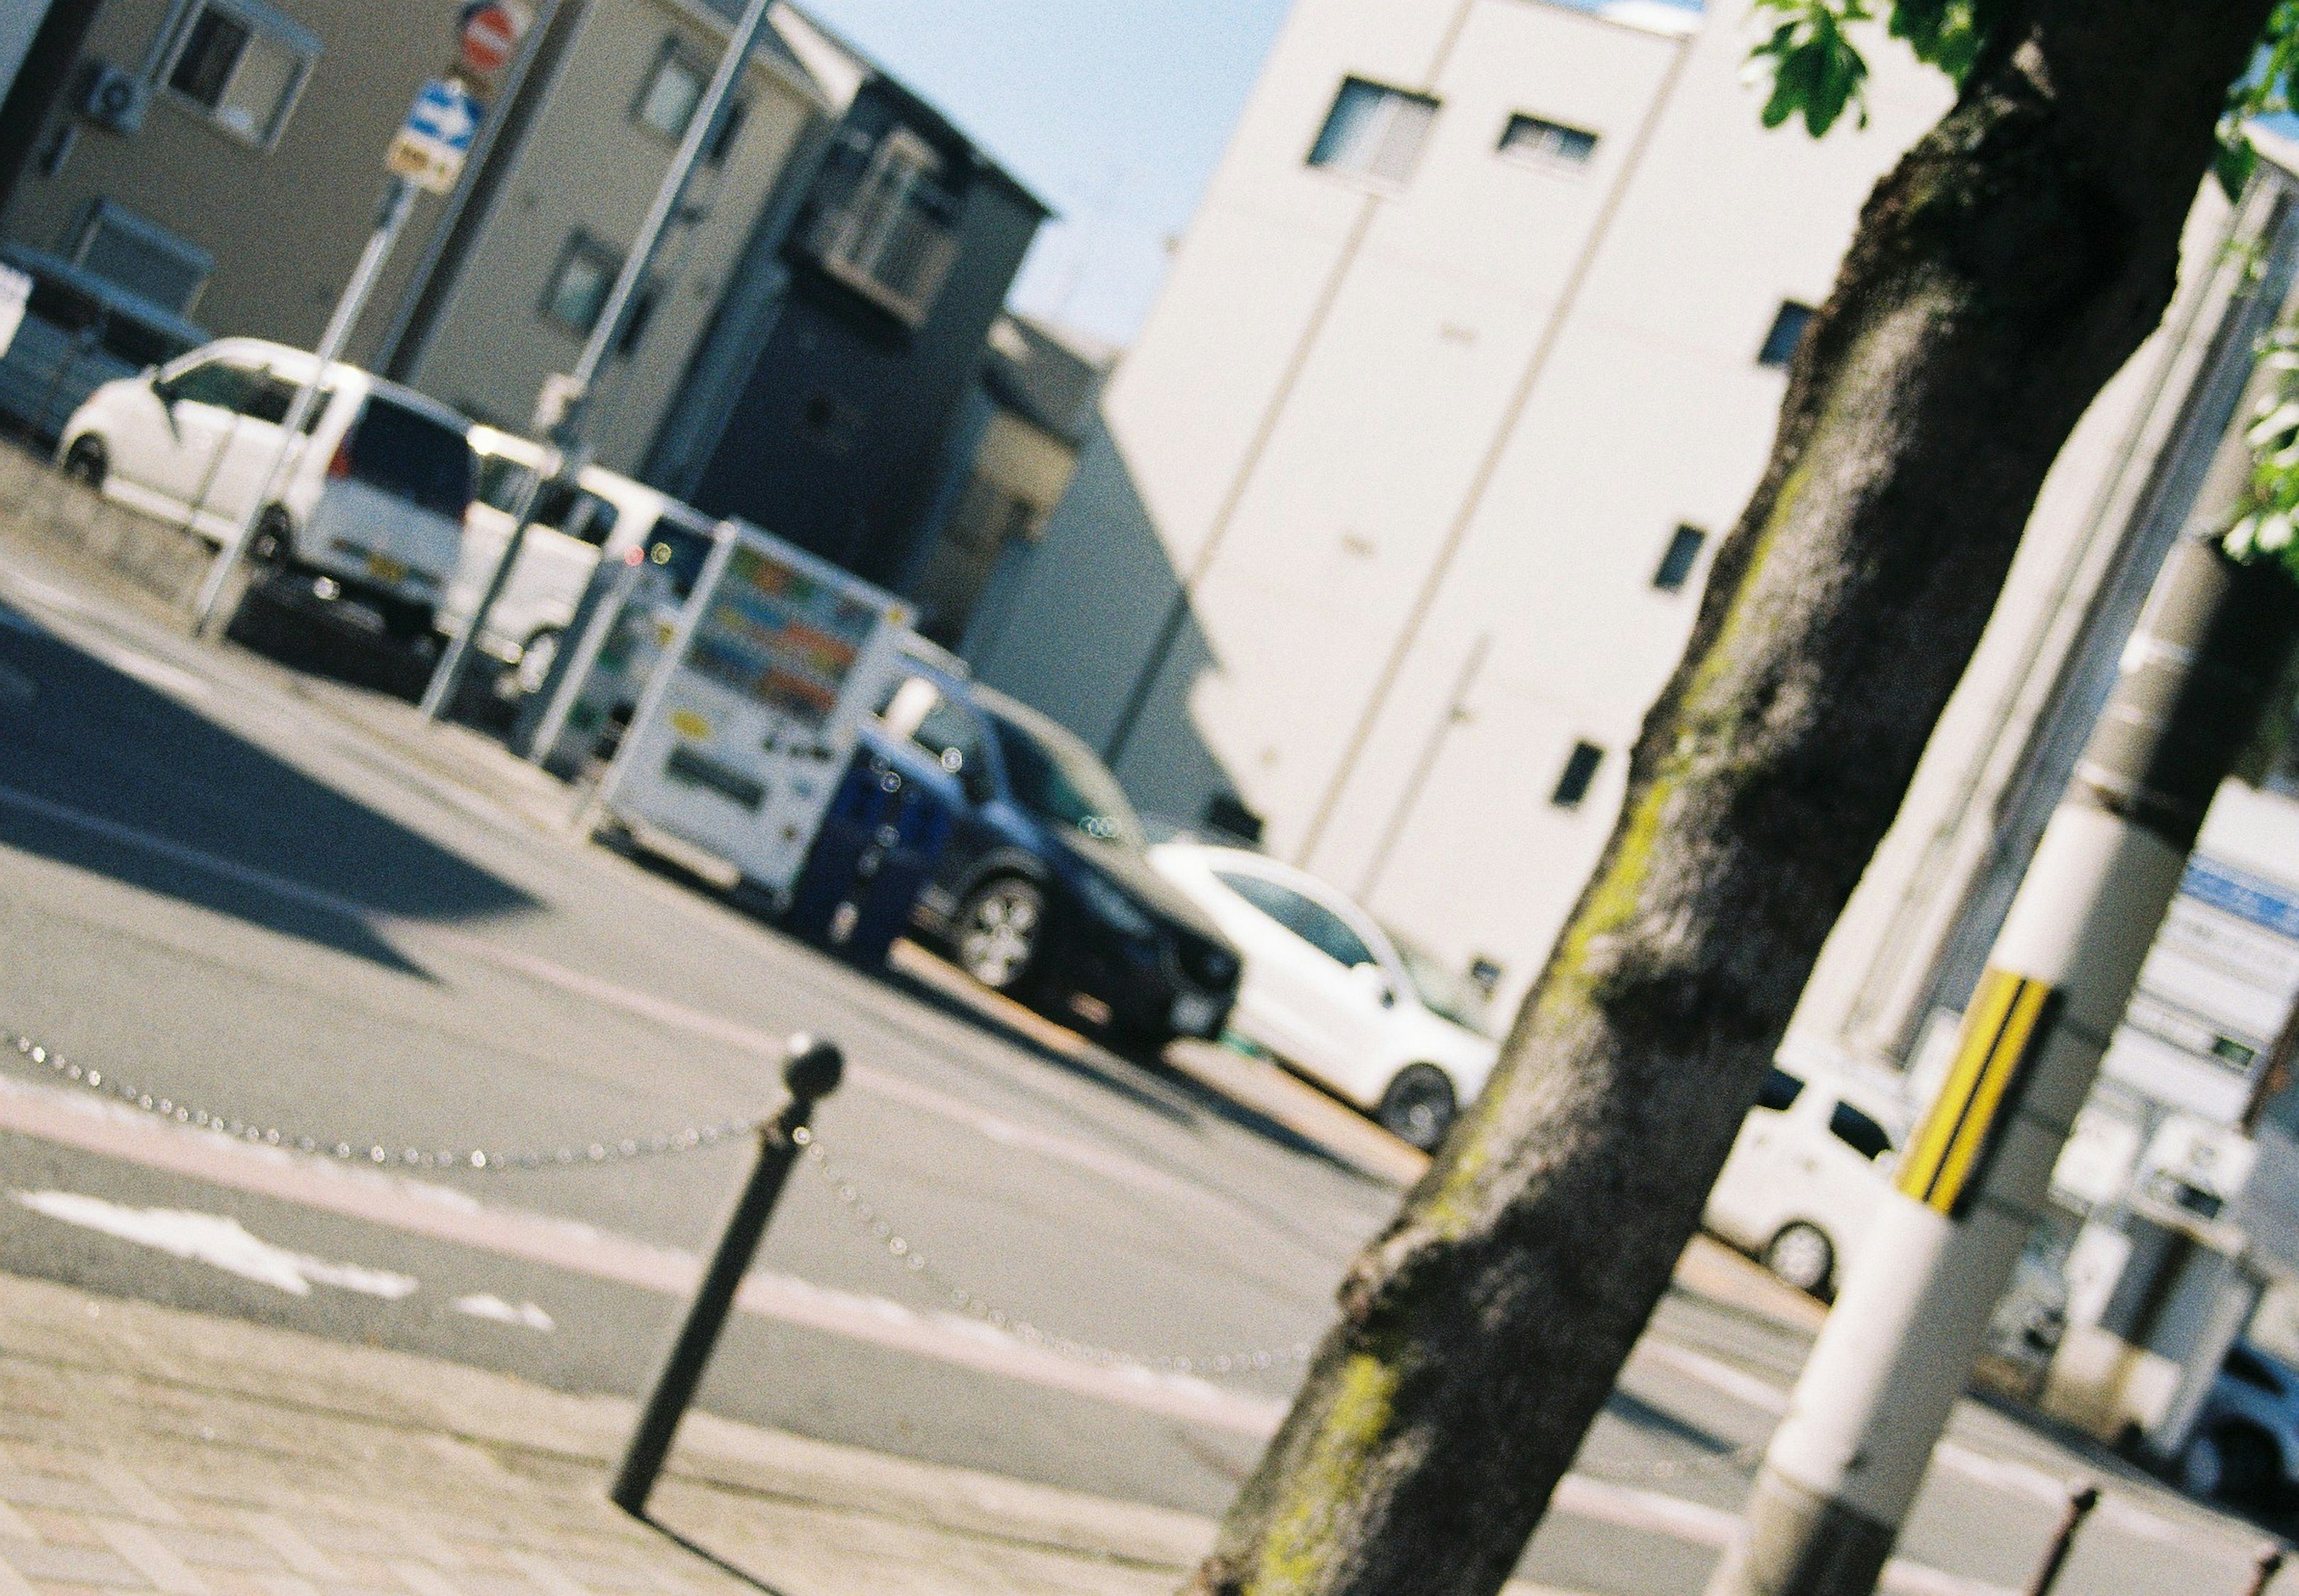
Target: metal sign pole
(398,201)
(566,431)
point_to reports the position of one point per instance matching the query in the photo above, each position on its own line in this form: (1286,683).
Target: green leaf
(1814,70)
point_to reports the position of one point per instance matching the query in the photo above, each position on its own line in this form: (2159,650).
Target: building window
(1788,332)
(1579,774)
(241,64)
(1543,143)
(578,290)
(730,129)
(673,90)
(141,256)
(1683,553)
(885,221)
(1373,131)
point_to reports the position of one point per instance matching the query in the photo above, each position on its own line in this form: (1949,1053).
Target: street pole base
(1798,1543)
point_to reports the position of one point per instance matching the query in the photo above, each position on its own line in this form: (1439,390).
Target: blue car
(996,836)
(2245,1445)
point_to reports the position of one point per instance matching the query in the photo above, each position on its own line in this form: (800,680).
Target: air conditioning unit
(113,98)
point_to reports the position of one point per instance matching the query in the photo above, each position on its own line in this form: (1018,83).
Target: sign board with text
(431,149)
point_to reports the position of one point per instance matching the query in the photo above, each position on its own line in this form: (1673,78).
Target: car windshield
(1442,993)
(1057,776)
(409,455)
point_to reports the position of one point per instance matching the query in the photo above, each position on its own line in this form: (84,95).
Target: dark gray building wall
(833,437)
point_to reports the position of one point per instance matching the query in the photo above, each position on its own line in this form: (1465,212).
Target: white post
(398,201)
(571,451)
(1844,1467)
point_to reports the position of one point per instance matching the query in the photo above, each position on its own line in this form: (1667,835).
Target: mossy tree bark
(2000,275)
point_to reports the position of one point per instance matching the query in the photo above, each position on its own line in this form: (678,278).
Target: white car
(606,515)
(1337,996)
(365,525)
(1811,1166)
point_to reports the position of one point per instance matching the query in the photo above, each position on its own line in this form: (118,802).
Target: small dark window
(730,129)
(1227,815)
(1545,143)
(1579,774)
(1684,546)
(1780,1091)
(1788,332)
(1856,1130)
(579,288)
(1373,131)
(673,90)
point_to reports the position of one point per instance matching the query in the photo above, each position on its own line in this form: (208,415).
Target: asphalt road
(269,899)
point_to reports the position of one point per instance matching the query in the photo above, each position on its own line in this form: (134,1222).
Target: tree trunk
(1999,277)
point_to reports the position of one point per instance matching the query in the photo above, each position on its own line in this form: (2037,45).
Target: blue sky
(1114,111)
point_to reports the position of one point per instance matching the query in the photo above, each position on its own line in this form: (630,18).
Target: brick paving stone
(82,1565)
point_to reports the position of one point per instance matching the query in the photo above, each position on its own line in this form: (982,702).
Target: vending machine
(750,720)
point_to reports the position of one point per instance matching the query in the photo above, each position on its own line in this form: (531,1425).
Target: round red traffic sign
(490,33)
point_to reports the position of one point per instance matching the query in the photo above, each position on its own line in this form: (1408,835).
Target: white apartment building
(1402,506)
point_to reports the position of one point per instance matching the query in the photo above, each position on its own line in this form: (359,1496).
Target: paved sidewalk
(143,1449)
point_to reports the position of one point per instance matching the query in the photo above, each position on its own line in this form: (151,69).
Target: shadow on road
(106,773)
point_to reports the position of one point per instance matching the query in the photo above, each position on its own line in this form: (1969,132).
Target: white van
(1812,1163)
(366,522)
(604,514)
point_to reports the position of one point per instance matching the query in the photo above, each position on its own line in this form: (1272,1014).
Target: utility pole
(570,397)
(398,202)
(1844,1467)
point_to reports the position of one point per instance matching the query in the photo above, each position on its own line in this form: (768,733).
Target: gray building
(821,397)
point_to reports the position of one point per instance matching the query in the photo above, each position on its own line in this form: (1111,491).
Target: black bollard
(2080,1502)
(2270,1564)
(813,1073)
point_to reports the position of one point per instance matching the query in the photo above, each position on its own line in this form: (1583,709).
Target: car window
(502,479)
(954,737)
(1303,915)
(1856,1130)
(1066,785)
(1442,992)
(1780,1091)
(224,383)
(413,456)
(62,305)
(136,343)
(2246,1368)
(271,396)
(570,510)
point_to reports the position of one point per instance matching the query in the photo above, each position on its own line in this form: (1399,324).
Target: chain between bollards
(812,1073)
(2080,1502)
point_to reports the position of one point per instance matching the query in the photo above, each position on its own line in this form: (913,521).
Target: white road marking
(217,1241)
(487,1305)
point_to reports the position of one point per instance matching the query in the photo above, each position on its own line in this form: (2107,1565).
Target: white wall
(1464,419)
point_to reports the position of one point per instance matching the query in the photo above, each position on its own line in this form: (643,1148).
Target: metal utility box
(751,719)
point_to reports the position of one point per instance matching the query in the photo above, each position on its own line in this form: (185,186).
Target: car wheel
(86,462)
(1419,1107)
(999,927)
(2229,1466)
(1801,1256)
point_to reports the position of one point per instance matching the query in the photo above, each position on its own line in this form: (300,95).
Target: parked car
(602,515)
(80,331)
(1336,994)
(1812,1164)
(1039,889)
(2245,1445)
(364,529)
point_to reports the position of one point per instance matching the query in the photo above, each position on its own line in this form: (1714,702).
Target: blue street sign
(445,116)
